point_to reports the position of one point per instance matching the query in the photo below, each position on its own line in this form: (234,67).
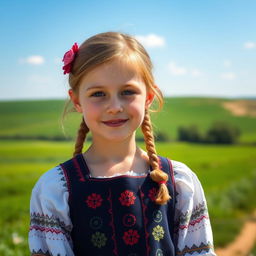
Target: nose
(114,105)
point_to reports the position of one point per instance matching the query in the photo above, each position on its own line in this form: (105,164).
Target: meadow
(227,172)
(43,119)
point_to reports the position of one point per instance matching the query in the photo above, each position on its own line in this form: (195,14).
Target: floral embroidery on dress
(157,216)
(99,239)
(152,194)
(127,198)
(159,252)
(158,233)
(129,220)
(131,237)
(96,222)
(94,200)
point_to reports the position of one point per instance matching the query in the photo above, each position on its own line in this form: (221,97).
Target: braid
(157,174)
(81,135)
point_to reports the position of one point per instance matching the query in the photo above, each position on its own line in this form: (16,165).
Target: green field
(32,119)
(227,172)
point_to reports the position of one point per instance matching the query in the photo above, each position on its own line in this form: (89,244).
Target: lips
(115,122)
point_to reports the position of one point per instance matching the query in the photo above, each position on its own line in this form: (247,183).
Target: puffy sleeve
(193,233)
(50,224)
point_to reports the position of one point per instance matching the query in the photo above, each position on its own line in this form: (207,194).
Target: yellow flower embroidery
(158,232)
(99,239)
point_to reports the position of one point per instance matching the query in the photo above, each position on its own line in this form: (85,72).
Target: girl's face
(112,98)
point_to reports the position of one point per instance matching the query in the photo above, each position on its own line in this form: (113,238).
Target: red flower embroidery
(127,198)
(94,200)
(152,194)
(131,237)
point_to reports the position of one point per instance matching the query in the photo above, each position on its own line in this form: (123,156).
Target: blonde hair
(105,47)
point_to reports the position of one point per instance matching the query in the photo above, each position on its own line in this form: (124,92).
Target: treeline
(218,133)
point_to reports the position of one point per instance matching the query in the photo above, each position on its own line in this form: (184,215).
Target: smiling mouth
(115,122)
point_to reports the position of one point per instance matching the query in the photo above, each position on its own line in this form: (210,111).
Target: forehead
(113,72)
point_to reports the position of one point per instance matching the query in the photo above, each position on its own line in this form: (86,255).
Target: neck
(114,151)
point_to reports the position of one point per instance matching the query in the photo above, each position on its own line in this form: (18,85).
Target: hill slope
(42,118)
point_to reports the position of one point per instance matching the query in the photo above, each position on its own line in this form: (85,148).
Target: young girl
(115,198)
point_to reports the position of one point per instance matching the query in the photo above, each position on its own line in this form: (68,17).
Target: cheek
(90,111)
(137,109)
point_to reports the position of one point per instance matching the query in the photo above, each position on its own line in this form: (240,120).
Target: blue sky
(204,48)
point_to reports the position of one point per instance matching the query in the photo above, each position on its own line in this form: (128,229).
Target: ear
(149,99)
(74,98)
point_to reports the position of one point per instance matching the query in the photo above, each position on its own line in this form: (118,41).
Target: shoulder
(183,173)
(49,192)
(52,179)
(50,224)
(180,169)
(188,186)
(49,198)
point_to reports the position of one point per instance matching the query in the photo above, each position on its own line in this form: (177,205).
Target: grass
(227,174)
(43,118)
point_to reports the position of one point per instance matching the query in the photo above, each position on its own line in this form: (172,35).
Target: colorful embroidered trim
(184,220)
(45,223)
(41,253)
(194,248)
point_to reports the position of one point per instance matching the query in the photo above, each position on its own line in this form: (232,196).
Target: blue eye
(102,94)
(98,94)
(128,92)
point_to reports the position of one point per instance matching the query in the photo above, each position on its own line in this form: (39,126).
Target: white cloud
(181,71)
(227,63)
(176,70)
(228,76)
(33,60)
(249,45)
(151,40)
(196,73)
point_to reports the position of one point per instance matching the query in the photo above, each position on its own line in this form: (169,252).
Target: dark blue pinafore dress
(118,216)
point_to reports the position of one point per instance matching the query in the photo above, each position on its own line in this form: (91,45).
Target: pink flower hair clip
(68,58)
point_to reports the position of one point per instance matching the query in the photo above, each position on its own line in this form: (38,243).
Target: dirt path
(241,107)
(244,242)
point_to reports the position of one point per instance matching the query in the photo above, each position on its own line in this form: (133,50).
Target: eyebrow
(102,86)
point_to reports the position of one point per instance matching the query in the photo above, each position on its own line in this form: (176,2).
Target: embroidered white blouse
(50,224)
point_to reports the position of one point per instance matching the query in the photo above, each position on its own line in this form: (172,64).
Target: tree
(190,133)
(222,132)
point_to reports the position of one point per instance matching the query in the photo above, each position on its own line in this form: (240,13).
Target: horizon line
(168,96)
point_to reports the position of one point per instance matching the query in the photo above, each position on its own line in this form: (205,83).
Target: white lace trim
(130,173)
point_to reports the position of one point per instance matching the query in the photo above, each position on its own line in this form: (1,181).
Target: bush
(190,133)
(221,132)
(161,136)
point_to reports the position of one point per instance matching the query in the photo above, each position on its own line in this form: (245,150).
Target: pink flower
(68,58)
